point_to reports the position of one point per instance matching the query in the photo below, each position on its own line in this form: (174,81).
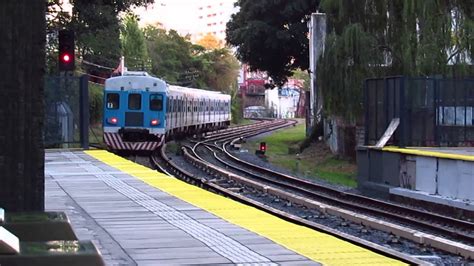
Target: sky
(179,15)
(174,14)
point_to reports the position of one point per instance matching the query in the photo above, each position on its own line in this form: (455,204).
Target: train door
(203,111)
(178,112)
(175,112)
(193,110)
(167,118)
(181,112)
(209,110)
(170,113)
(185,112)
(134,114)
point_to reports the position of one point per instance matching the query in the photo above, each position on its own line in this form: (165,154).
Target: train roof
(135,80)
(192,92)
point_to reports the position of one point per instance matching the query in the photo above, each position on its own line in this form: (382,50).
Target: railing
(66,122)
(432,111)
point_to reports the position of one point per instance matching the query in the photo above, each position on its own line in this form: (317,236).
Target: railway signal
(262,149)
(66,50)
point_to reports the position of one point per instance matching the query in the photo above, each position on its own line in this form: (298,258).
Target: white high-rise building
(196,18)
(213,16)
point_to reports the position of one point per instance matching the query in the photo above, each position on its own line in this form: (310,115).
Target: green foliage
(303,75)
(220,70)
(177,60)
(96,95)
(345,179)
(133,42)
(326,167)
(343,69)
(56,18)
(97,29)
(236,107)
(271,35)
(380,38)
(170,53)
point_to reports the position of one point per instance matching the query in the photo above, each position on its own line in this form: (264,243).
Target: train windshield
(156,102)
(134,101)
(113,101)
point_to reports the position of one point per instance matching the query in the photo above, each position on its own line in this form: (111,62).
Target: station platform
(441,176)
(137,216)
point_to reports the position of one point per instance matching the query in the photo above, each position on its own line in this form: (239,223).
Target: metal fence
(66,122)
(432,111)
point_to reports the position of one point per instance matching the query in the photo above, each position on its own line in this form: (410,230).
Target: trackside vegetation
(315,162)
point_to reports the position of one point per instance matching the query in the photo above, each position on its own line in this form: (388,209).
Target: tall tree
(97,27)
(210,42)
(170,53)
(133,42)
(220,69)
(97,30)
(271,35)
(400,37)
(22,49)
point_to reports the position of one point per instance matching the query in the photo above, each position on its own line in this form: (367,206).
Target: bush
(96,95)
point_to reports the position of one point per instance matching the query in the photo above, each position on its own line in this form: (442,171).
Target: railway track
(225,165)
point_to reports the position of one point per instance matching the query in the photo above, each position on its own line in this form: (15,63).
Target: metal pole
(367,119)
(317,31)
(84,111)
(401,128)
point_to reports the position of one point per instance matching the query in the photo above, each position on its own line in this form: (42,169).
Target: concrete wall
(436,176)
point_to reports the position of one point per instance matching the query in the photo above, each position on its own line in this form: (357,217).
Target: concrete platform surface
(137,216)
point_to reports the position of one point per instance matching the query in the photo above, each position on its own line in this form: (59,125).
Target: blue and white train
(140,111)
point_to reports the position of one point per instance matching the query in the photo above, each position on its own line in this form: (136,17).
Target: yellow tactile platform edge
(320,247)
(443,155)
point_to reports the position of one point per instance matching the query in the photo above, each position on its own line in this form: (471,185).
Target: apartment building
(213,16)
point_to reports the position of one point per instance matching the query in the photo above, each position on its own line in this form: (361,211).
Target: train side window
(156,102)
(113,101)
(134,101)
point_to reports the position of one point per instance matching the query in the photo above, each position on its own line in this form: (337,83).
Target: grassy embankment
(315,162)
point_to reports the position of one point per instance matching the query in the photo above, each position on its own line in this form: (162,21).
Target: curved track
(225,136)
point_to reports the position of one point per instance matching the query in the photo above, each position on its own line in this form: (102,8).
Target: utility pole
(317,38)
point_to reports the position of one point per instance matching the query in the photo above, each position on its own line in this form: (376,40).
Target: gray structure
(317,39)
(433,112)
(22,53)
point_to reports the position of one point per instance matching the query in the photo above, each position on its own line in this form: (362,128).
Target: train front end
(134,112)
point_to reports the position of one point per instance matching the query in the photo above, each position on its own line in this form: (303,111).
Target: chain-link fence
(432,111)
(66,122)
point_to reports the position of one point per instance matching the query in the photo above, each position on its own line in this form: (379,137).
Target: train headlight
(155,122)
(113,120)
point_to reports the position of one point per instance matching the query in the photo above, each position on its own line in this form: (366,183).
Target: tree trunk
(22,62)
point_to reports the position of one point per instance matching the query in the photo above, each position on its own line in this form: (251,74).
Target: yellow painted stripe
(317,246)
(444,155)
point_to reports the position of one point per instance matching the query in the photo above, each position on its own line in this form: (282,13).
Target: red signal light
(66,50)
(263,146)
(66,58)
(154,122)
